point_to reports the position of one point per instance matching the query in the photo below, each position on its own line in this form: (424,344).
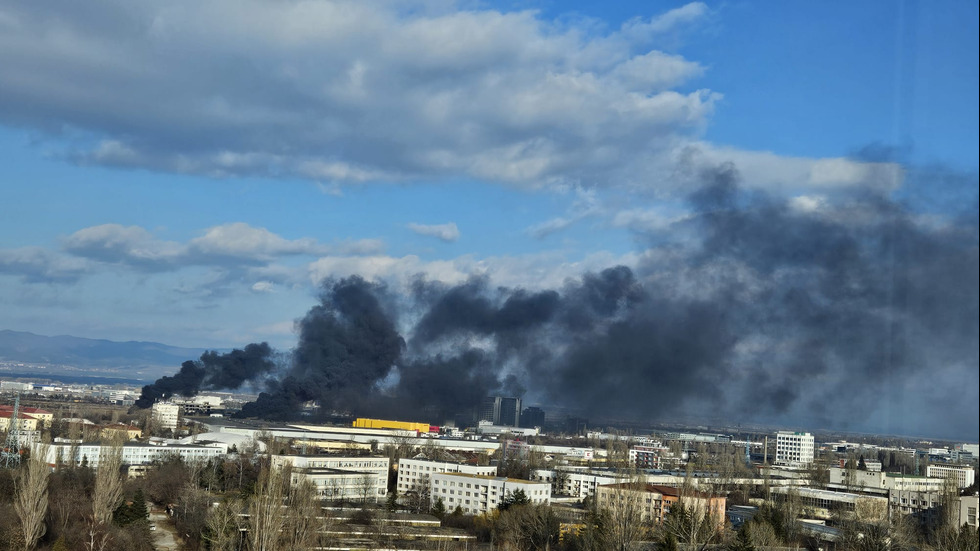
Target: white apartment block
(414,474)
(133,453)
(581,484)
(476,494)
(794,448)
(166,415)
(964,476)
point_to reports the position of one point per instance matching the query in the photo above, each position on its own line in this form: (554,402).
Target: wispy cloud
(446,232)
(225,244)
(585,205)
(38,265)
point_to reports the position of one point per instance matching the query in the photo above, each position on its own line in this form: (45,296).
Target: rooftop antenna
(10,454)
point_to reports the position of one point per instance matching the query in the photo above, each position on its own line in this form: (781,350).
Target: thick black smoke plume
(347,344)
(849,311)
(213,371)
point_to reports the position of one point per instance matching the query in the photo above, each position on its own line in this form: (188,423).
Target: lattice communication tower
(10,454)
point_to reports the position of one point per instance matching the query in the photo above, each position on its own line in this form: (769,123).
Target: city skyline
(791,189)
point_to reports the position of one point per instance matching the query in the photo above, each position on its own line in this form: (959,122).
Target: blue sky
(529,141)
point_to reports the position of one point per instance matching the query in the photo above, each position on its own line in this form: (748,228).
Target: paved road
(164,537)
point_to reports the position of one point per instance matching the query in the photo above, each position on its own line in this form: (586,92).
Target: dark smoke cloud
(846,313)
(213,371)
(853,314)
(347,343)
(469,308)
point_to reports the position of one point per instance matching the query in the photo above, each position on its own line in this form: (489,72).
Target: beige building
(166,415)
(44,417)
(119,430)
(25,422)
(654,501)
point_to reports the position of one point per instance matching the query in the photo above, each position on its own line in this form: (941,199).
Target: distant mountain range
(93,354)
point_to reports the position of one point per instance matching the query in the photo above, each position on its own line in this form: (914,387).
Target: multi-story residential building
(25,422)
(964,476)
(43,416)
(414,475)
(478,494)
(648,456)
(575,483)
(27,426)
(166,415)
(654,501)
(794,448)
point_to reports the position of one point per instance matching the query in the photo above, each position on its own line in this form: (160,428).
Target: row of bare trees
(71,504)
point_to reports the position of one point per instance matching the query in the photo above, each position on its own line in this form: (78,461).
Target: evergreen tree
(439,509)
(517,497)
(392,501)
(669,543)
(140,511)
(743,542)
(131,512)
